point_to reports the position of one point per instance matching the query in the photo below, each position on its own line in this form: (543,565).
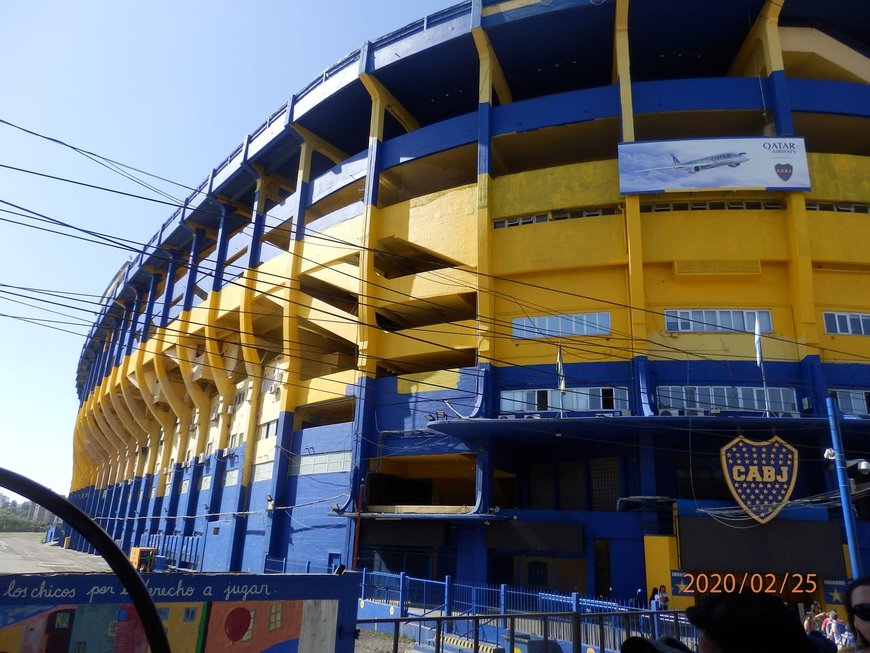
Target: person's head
(662,590)
(747,623)
(858,609)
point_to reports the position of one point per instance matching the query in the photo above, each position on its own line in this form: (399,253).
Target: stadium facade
(413,323)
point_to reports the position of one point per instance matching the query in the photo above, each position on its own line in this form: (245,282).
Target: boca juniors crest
(761,475)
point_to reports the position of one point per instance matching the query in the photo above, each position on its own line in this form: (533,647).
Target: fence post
(448,602)
(403,588)
(362,585)
(502,598)
(600,634)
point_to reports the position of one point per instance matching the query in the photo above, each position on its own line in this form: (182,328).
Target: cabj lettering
(754,473)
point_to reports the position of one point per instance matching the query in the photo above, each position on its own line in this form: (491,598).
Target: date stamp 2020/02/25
(769,583)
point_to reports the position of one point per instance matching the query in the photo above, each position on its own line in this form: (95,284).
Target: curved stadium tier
(488,297)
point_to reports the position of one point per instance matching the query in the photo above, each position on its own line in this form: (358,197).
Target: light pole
(839,459)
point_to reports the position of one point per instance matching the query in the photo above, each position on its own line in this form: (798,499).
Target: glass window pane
(732,398)
(739,320)
(842,323)
(710,323)
(604,323)
(830,323)
(621,399)
(719,400)
(685,321)
(764,322)
(704,400)
(855,324)
(697,320)
(594,398)
(671,323)
(865,325)
(725,321)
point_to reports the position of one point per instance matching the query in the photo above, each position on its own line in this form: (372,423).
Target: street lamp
(839,458)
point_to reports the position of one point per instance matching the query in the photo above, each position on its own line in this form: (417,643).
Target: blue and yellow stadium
(419,321)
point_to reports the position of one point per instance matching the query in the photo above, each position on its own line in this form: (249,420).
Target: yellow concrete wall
(564,187)
(660,557)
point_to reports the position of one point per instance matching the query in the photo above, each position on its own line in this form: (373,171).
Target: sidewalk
(23,553)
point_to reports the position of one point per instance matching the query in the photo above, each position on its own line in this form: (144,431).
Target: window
(164,613)
(269,429)
(557,326)
(320,463)
(605,482)
(574,400)
(855,324)
(853,402)
(691,400)
(190,614)
(701,320)
(275,616)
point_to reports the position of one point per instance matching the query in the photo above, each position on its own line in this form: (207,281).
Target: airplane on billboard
(730,159)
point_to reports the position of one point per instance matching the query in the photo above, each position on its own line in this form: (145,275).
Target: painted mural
(83,613)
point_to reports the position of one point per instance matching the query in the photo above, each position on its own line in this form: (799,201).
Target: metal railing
(599,631)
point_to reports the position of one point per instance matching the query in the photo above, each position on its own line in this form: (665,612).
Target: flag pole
(759,360)
(560,375)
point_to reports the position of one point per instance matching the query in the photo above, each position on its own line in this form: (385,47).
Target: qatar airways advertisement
(711,164)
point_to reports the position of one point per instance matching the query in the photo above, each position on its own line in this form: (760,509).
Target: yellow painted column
(224,383)
(175,397)
(485,300)
(800,276)
(367,329)
(292,353)
(200,398)
(250,353)
(631,206)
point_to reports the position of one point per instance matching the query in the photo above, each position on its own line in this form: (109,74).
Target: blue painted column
(196,247)
(845,487)
(149,306)
(169,289)
(222,241)
(778,93)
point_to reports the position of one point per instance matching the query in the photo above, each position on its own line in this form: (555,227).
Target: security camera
(864,467)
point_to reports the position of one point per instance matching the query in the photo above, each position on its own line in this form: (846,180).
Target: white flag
(757,341)
(560,369)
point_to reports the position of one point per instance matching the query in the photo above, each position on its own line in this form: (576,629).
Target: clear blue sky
(169,87)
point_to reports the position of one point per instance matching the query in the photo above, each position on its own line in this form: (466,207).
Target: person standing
(663,598)
(654,599)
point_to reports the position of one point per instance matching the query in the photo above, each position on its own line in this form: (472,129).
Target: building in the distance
(480,300)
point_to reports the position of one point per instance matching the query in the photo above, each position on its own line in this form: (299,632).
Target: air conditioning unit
(200,458)
(223,453)
(275,389)
(507,416)
(192,427)
(534,416)
(215,416)
(669,412)
(231,409)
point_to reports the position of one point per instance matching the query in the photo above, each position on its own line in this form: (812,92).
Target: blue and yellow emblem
(761,475)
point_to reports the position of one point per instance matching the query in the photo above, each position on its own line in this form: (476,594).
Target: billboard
(711,164)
